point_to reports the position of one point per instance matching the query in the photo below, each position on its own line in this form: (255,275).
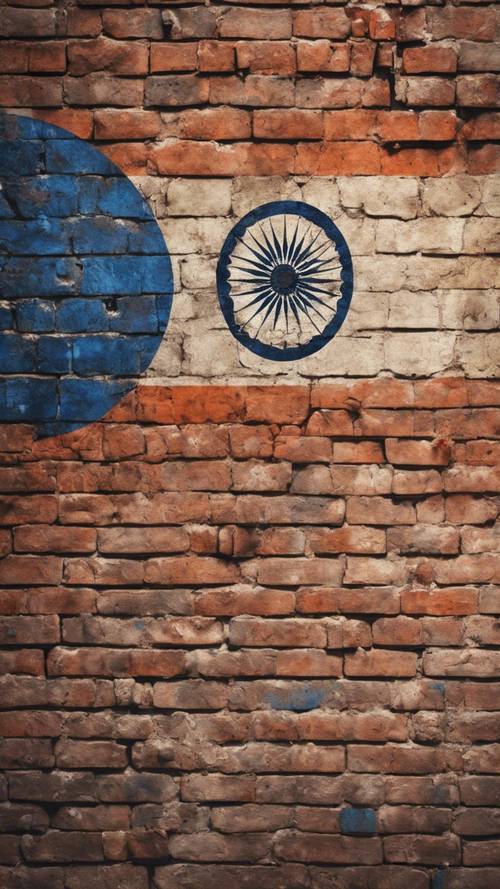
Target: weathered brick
(261,57)
(106,55)
(321,22)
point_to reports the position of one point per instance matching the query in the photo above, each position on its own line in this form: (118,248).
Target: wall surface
(250,617)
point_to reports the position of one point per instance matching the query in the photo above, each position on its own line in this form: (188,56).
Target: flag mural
(249,445)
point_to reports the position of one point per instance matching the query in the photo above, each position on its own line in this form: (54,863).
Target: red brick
(406,819)
(78,121)
(47,57)
(142,540)
(110,662)
(161,631)
(269,24)
(322,55)
(15,57)
(184,24)
(29,23)
(21,753)
(322,848)
(423,849)
(303,450)
(304,662)
(173,57)
(380,663)
(476,821)
(356,124)
(483,159)
(54,539)
(473,24)
(72,754)
(191,158)
(219,847)
(412,25)
(417,481)
(262,57)
(84,22)
(459,600)
(100,88)
(467,663)
(362,58)
(466,508)
(357,539)
(63,846)
(255,476)
(214,56)
(187,570)
(321,22)
(428,91)
(190,694)
(224,788)
(480,540)
(112,572)
(472,479)
(478,90)
(30,569)
(422,59)
(106,55)
(172,91)
(423,539)
(296,124)
(418,453)
(357,452)
(27,660)
(396,759)
(482,853)
(368,393)
(381,24)
(369,600)
(421,162)
(379,511)
(137,23)
(211,123)
(336,423)
(295,633)
(484,126)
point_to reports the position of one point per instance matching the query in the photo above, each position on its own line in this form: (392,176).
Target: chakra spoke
(303,308)
(306,251)
(304,293)
(270,246)
(271,298)
(253,272)
(265,254)
(278,247)
(257,299)
(256,263)
(269,310)
(305,299)
(289,255)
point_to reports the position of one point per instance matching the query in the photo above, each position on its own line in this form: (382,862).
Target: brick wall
(250,619)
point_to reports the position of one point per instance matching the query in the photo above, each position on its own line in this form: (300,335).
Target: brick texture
(208,679)
(263,58)
(249,633)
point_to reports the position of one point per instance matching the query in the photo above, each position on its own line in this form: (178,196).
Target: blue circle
(278,277)
(86,281)
(281,277)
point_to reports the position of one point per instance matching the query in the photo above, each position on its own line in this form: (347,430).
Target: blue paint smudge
(299,700)
(355,821)
(438,879)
